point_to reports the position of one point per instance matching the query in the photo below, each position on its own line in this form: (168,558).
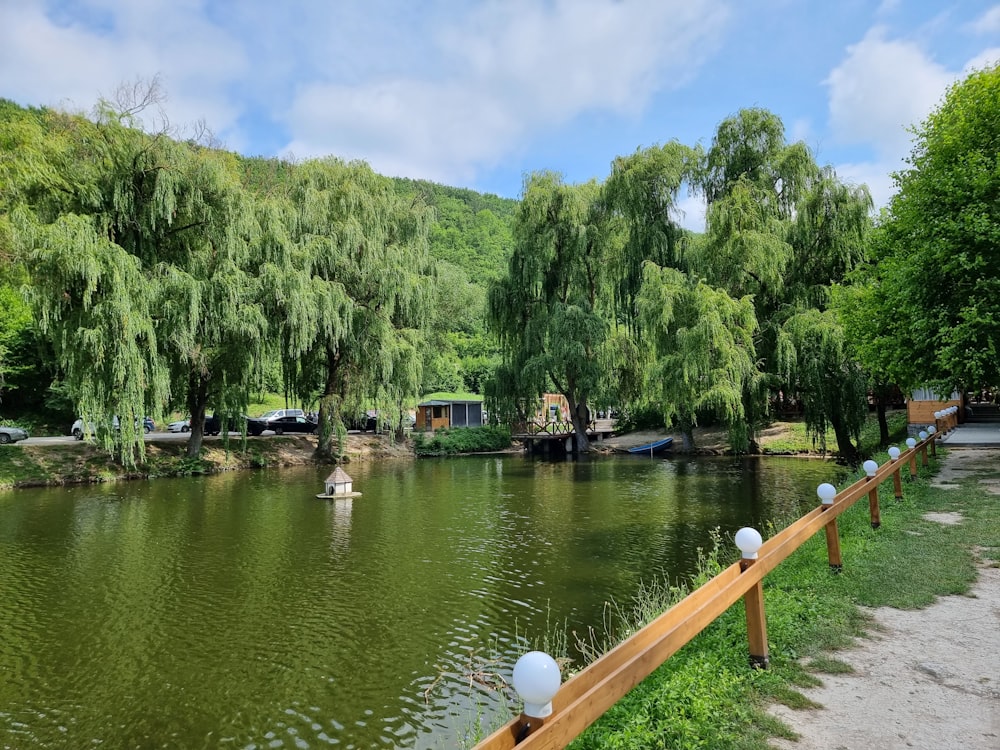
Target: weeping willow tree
(702,342)
(778,228)
(642,189)
(814,355)
(205,269)
(366,290)
(548,312)
(141,274)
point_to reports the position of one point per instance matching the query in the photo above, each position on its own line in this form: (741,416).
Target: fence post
(871,467)
(911,444)
(897,480)
(923,447)
(749,541)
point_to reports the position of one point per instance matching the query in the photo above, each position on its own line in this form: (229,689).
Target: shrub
(453,440)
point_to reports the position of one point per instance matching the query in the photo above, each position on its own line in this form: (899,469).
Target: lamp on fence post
(938,416)
(897,480)
(932,431)
(910,445)
(871,467)
(536,679)
(827,494)
(749,541)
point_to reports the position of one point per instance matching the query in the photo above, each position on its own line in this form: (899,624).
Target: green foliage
(933,297)
(702,340)
(548,312)
(816,360)
(455,440)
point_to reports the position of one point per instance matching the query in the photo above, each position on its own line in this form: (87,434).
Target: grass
(706,696)
(795,438)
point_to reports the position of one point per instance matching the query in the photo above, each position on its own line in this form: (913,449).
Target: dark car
(281,425)
(216,424)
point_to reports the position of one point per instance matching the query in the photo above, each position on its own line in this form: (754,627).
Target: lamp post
(749,541)
(827,494)
(910,445)
(536,679)
(871,469)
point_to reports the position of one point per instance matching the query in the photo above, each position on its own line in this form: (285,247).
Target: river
(239,610)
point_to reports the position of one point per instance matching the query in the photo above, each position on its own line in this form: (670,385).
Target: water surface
(239,611)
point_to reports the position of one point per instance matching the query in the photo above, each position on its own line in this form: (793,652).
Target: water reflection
(240,609)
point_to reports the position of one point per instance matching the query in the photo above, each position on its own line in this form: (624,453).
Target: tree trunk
(881,394)
(330,419)
(579,414)
(844,443)
(197,395)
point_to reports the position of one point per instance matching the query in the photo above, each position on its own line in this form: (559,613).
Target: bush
(450,441)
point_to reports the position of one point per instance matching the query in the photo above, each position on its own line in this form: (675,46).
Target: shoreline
(56,465)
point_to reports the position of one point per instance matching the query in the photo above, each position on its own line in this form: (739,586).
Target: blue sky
(481,92)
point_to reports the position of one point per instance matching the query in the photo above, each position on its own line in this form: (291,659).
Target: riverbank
(87,463)
(848,669)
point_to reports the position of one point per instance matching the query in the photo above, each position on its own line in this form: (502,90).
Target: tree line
(793,292)
(142,271)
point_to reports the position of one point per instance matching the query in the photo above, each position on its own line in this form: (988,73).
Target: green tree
(366,291)
(702,344)
(815,358)
(932,292)
(141,275)
(781,230)
(548,311)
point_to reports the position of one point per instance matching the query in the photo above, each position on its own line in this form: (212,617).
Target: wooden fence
(583,698)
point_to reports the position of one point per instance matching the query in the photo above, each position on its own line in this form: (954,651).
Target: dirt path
(928,679)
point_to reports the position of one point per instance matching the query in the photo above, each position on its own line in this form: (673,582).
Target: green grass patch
(799,440)
(826,664)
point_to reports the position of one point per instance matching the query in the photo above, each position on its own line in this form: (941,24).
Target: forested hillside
(144,274)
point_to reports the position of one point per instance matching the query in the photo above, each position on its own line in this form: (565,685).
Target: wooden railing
(583,698)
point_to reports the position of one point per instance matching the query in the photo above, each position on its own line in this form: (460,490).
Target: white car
(183,425)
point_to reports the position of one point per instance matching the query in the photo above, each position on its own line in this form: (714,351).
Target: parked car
(281,425)
(182,425)
(12,434)
(77,429)
(213,425)
(148,425)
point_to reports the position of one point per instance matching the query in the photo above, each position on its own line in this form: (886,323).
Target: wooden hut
(448,411)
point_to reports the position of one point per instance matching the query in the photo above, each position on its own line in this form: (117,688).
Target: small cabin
(437,413)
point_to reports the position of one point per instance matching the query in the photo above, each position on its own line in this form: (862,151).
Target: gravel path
(927,679)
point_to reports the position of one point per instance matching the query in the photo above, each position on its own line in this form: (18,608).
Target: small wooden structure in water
(338,486)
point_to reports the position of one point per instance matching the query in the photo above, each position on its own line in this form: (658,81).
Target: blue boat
(651,449)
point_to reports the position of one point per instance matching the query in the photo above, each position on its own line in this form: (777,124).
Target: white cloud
(988,23)
(691,212)
(876,175)
(984,59)
(72,61)
(882,88)
(505,71)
